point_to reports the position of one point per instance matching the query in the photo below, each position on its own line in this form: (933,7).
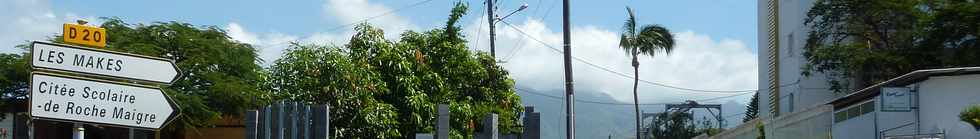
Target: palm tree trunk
(636,101)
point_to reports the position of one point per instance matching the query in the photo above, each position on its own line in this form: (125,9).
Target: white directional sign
(68,98)
(101,62)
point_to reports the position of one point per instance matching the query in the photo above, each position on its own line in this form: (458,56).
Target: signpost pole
(78,132)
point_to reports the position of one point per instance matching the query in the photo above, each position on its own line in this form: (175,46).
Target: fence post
(321,122)
(442,122)
(290,122)
(251,122)
(490,130)
(276,120)
(22,126)
(304,121)
(532,123)
(263,124)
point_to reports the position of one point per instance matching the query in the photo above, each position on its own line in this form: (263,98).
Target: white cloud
(30,20)
(698,61)
(354,11)
(271,45)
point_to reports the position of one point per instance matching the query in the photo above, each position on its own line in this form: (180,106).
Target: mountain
(598,115)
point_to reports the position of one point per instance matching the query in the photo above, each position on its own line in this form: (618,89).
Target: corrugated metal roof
(911,77)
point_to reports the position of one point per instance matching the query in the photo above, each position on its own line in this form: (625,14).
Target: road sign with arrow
(76,99)
(78,59)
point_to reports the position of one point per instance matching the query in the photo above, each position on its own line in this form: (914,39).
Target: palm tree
(650,40)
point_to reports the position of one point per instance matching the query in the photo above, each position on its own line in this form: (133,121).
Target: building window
(791,105)
(787,104)
(790,49)
(867,107)
(854,111)
(840,117)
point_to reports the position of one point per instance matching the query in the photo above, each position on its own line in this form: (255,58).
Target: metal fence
(292,120)
(288,120)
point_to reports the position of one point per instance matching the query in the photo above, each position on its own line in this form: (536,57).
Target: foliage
(322,75)
(861,42)
(762,131)
(678,125)
(14,80)
(651,40)
(971,115)
(752,109)
(383,89)
(219,75)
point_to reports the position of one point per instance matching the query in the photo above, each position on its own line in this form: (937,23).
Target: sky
(716,39)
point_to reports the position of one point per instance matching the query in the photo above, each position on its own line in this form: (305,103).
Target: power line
(479,30)
(383,14)
(620,73)
(614,103)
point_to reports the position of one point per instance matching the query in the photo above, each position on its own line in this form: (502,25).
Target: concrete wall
(747,130)
(810,123)
(942,100)
(860,127)
(225,128)
(894,123)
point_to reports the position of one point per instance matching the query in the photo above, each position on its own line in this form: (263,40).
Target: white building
(782,35)
(803,107)
(897,113)
(790,105)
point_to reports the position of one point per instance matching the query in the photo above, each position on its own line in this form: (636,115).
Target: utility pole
(492,18)
(569,89)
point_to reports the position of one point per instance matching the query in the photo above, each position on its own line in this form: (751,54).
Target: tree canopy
(376,88)
(379,88)
(219,75)
(862,42)
(679,125)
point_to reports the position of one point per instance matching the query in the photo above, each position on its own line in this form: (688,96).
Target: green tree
(327,75)
(383,89)
(14,80)
(971,115)
(650,40)
(219,75)
(752,109)
(762,131)
(677,125)
(862,42)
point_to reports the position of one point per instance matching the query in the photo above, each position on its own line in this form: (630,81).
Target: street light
(523,6)
(495,19)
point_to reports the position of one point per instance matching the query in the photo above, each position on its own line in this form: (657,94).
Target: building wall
(860,127)
(796,91)
(227,127)
(895,123)
(763,39)
(747,130)
(809,123)
(943,98)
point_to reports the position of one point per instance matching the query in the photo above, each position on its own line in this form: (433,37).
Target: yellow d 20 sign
(84,35)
